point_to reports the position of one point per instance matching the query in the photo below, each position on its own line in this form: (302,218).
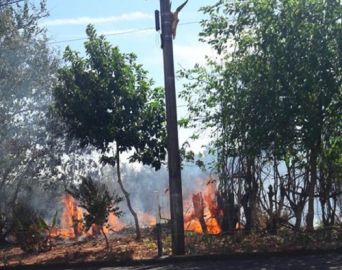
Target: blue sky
(68,20)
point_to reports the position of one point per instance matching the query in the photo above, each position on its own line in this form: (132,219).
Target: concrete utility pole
(175,182)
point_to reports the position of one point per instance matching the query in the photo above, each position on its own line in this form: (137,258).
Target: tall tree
(272,94)
(106,98)
(27,69)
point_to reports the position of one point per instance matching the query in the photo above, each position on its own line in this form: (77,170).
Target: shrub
(95,198)
(30,229)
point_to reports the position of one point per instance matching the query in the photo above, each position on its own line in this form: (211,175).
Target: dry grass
(124,247)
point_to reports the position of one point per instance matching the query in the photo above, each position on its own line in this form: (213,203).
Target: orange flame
(204,213)
(146,220)
(71,225)
(113,224)
(206,207)
(71,220)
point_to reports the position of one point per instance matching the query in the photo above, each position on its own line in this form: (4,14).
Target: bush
(2,228)
(30,229)
(95,198)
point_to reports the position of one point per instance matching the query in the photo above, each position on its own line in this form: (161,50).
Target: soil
(124,247)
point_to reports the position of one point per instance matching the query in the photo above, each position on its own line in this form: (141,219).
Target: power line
(125,33)
(106,35)
(118,33)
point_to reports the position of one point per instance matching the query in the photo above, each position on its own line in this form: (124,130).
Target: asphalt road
(320,262)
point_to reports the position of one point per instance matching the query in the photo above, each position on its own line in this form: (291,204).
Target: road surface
(319,262)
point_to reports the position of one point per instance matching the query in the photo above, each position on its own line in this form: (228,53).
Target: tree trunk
(327,199)
(198,203)
(251,192)
(324,220)
(230,212)
(298,215)
(106,238)
(126,194)
(311,189)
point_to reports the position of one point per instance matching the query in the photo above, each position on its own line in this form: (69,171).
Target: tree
(106,98)
(95,198)
(27,68)
(273,98)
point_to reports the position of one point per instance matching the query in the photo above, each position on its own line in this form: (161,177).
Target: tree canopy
(106,98)
(27,69)
(272,97)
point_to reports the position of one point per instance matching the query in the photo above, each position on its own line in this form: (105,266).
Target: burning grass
(69,242)
(71,225)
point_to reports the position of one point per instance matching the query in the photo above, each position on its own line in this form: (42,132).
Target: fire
(71,225)
(146,220)
(113,224)
(191,223)
(202,216)
(72,217)
(205,212)
(193,226)
(71,221)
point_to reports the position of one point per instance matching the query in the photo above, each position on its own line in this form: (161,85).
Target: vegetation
(285,241)
(125,248)
(27,68)
(272,99)
(31,230)
(106,98)
(95,198)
